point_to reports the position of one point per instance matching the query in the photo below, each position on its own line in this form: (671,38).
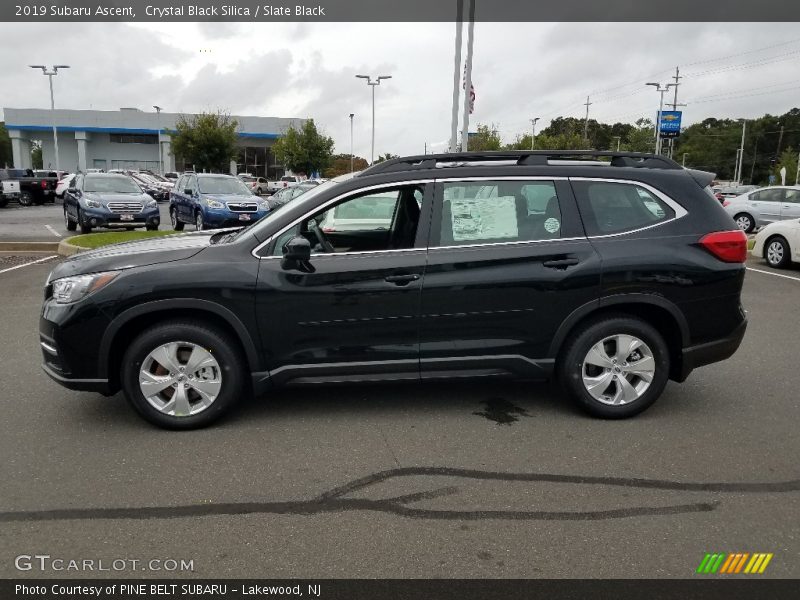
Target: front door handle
(561,263)
(401,279)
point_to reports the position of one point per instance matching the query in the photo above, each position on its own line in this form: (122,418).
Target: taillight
(44,185)
(728,246)
(726,202)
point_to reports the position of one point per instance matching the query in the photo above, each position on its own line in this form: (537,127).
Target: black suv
(614,272)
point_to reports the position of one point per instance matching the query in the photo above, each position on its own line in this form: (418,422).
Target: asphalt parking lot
(45,223)
(413,481)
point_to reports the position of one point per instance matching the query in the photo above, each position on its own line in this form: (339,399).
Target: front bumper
(58,371)
(96,217)
(229,218)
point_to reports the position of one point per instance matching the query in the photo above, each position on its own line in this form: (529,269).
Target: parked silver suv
(766,205)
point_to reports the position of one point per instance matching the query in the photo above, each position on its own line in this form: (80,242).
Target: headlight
(92,203)
(263,205)
(72,289)
(151,204)
(214,204)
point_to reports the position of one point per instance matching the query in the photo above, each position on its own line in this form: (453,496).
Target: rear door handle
(561,263)
(401,279)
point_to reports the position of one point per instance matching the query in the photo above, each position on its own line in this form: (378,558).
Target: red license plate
(244,217)
(126,217)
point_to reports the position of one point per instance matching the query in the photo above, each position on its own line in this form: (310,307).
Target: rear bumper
(710,352)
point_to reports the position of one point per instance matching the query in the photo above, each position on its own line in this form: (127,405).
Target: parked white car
(285,181)
(763,206)
(63,184)
(779,243)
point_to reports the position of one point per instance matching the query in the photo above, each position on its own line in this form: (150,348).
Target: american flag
(471,90)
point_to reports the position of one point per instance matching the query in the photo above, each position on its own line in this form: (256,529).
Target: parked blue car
(108,200)
(208,201)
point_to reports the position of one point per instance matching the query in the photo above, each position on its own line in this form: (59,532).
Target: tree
(36,156)
(6,157)
(641,138)
(304,150)
(487,138)
(207,140)
(788,160)
(387,156)
(340,164)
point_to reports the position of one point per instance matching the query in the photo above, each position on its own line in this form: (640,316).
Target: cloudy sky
(520,71)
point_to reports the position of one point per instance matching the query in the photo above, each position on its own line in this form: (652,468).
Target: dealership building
(129,138)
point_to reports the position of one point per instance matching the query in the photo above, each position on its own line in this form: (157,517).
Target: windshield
(111,184)
(222,185)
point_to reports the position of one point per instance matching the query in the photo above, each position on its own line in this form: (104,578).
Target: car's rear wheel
(182,375)
(85,227)
(173,217)
(25,198)
(70,224)
(777,253)
(615,367)
(199,223)
(745,222)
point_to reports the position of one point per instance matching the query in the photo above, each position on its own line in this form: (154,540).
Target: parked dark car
(612,277)
(209,201)
(108,200)
(33,188)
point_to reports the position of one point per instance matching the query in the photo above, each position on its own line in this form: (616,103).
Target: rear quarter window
(610,207)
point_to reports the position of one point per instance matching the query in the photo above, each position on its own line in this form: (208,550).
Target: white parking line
(53,231)
(30,263)
(773,274)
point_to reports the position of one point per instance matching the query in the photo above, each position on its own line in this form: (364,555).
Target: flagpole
(468,77)
(456,75)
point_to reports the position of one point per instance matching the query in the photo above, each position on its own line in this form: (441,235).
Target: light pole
(619,139)
(351,141)
(50,74)
(373,84)
(661,90)
(685,154)
(741,155)
(160,160)
(533,131)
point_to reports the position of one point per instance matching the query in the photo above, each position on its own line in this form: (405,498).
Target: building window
(133,138)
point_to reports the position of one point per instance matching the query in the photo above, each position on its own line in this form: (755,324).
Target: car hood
(148,251)
(231,197)
(105,198)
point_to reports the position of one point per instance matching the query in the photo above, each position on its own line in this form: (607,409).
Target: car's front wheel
(199,223)
(25,198)
(615,367)
(70,224)
(182,375)
(85,227)
(745,222)
(777,253)
(177,225)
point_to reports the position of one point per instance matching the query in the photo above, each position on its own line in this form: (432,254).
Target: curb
(29,246)
(66,249)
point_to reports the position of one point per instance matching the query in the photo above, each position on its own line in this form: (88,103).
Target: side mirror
(298,248)
(72,190)
(188,191)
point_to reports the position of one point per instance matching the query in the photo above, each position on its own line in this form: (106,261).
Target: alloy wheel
(180,379)
(199,221)
(618,369)
(744,223)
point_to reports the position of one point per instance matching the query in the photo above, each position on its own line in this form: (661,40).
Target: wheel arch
(129,323)
(659,312)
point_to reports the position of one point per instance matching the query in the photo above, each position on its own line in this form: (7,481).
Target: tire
(85,228)
(259,191)
(25,199)
(637,394)
(71,225)
(745,222)
(777,252)
(223,380)
(176,224)
(199,223)
(150,227)
(3,202)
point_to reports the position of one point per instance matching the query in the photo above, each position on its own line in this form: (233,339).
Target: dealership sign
(670,123)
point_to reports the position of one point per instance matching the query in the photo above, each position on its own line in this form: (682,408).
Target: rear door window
(489,212)
(610,207)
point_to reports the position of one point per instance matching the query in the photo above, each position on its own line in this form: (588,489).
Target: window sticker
(552,225)
(484,218)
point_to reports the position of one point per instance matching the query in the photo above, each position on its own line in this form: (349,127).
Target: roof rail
(522,157)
